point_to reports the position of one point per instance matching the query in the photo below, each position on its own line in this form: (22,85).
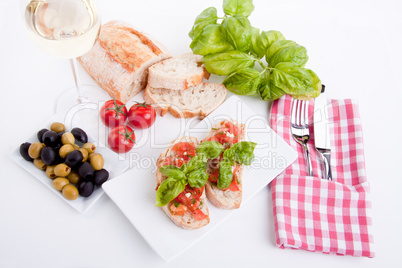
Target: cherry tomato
(141,115)
(113,113)
(121,139)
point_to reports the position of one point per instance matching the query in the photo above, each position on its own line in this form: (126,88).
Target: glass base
(84,113)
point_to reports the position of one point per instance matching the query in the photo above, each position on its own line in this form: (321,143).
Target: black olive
(100,176)
(49,156)
(40,134)
(86,171)
(24,151)
(73,159)
(86,188)
(79,135)
(51,139)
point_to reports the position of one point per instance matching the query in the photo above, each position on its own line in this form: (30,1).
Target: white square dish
(134,191)
(113,164)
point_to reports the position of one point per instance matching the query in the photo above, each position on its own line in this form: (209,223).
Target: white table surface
(354,46)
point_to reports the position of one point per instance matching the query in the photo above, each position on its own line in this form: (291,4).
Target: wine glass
(66,29)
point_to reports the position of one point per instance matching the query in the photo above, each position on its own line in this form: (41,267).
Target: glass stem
(81,98)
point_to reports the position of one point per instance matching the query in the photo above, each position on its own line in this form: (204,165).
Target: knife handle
(326,160)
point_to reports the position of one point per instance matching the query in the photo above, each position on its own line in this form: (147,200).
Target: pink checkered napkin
(320,215)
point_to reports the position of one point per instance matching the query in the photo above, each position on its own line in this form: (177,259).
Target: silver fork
(300,129)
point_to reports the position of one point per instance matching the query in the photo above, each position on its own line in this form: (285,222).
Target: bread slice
(178,73)
(120,59)
(225,199)
(199,100)
(187,221)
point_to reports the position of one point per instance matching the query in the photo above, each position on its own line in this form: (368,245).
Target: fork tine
(294,109)
(303,113)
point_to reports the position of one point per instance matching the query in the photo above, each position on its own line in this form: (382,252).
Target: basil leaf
(295,54)
(241,152)
(197,162)
(292,79)
(226,63)
(255,33)
(197,178)
(243,82)
(265,40)
(208,16)
(210,40)
(237,31)
(169,190)
(268,91)
(225,174)
(277,46)
(172,171)
(316,91)
(238,7)
(211,149)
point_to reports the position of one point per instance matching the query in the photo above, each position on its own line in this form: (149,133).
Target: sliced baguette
(199,101)
(186,221)
(178,73)
(225,199)
(120,58)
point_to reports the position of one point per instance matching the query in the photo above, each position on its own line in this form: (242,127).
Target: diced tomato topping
(199,215)
(179,210)
(234,186)
(214,176)
(184,150)
(228,134)
(190,197)
(178,162)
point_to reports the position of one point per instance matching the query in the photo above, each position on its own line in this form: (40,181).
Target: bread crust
(226,199)
(162,105)
(120,59)
(186,221)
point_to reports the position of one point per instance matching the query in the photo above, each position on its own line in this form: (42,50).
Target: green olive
(90,147)
(65,150)
(62,170)
(84,154)
(59,183)
(97,161)
(39,164)
(50,172)
(57,127)
(67,138)
(73,177)
(76,147)
(70,192)
(34,149)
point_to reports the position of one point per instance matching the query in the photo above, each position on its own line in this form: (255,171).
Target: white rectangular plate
(113,163)
(134,191)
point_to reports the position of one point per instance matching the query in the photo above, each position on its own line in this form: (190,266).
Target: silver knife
(321,132)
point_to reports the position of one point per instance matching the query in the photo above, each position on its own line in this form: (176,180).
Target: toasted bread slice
(178,73)
(199,101)
(187,221)
(226,199)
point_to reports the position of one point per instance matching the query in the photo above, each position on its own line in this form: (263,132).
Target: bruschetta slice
(224,187)
(185,205)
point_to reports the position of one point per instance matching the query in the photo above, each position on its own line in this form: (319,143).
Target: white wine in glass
(66,29)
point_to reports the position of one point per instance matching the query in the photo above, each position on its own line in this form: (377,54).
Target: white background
(355,48)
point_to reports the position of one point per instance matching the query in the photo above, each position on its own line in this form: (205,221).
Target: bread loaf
(199,100)
(178,73)
(120,59)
